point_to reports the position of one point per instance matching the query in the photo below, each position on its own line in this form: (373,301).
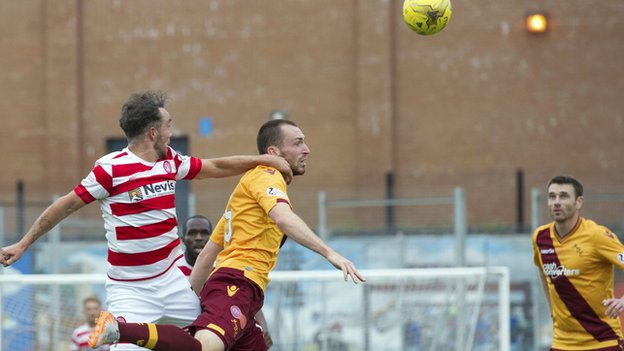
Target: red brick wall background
(467,107)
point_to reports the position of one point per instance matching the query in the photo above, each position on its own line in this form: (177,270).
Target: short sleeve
(218,234)
(609,247)
(188,166)
(97,185)
(536,254)
(268,188)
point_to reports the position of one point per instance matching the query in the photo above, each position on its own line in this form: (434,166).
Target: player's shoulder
(113,158)
(263,179)
(540,229)
(173,153)
(597,231)
(262,172)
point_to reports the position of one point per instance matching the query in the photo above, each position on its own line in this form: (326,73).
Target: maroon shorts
(229,302)
(619,347)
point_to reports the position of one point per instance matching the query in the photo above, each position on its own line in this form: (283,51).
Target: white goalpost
(459,309)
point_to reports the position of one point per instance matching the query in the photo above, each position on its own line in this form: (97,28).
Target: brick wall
(467,107)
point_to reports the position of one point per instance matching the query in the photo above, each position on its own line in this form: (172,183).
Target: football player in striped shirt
(245,243)
(135,188)
(576,259)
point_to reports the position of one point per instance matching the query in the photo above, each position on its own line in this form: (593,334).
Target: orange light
(536,23)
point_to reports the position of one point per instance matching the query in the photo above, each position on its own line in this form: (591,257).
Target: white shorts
(167,299)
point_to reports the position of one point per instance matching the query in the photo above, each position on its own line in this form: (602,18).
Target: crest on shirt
(270,171)
(271,191)
(620,257)
(609,234)
(167,166)
(578,249)
(135,195)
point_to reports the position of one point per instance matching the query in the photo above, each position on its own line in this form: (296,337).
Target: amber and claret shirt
(250,239)
(579,271)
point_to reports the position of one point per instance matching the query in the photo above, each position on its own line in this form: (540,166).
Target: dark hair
(271,134)
(578,187)
(91,299)
(141,111)
(184,227)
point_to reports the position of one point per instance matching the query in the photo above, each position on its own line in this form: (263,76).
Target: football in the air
(427,17)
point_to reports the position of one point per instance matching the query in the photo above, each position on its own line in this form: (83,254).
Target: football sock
(158,337)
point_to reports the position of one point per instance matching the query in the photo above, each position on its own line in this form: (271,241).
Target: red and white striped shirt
(185,267)
(80,338)
(137,201)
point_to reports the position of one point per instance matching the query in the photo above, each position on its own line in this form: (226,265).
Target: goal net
(460,309)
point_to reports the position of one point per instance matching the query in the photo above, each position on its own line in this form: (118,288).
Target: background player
(91,307)
(195,233)
(576,259)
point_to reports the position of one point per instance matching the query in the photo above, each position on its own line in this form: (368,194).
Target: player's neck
(144,151)
(190,260)
(565,228)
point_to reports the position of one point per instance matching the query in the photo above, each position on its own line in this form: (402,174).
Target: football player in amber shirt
(245,244)
(576,259)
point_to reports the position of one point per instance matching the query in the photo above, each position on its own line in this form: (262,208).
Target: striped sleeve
(188,166)
(97,185)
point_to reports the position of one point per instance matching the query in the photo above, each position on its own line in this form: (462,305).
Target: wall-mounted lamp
(537,22)
(279,114)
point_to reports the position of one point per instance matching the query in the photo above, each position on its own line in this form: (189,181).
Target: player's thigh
(181,303)
(252,340)
(133,305)
(209,340)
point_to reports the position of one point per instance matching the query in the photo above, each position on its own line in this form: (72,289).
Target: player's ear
(579,202)
(274,150)
(152,132)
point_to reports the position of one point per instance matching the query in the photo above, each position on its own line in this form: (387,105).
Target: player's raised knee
(209,340)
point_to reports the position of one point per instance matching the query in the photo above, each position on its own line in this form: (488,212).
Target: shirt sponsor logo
(547,251)
(554,271)
(152,190)
(135,195)
(271,191)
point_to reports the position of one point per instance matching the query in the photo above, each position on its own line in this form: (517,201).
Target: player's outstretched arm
(203,265)
(293,226)
(234,165)
(51,216)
